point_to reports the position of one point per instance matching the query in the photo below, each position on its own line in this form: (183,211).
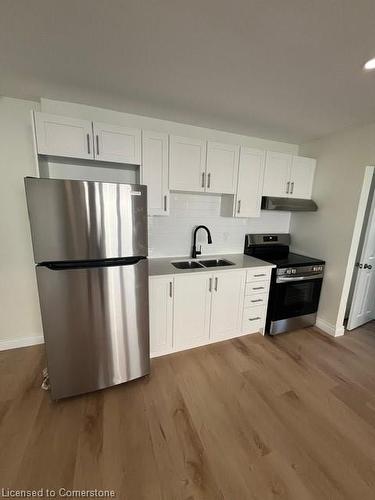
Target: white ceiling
(281,69)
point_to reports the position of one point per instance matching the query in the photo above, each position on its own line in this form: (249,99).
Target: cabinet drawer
(258,273)
(253,319)
(256,287)
(256,299)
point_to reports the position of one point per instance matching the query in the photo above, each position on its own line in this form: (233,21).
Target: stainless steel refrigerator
(90,250)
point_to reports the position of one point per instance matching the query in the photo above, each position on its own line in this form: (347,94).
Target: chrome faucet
(196,252)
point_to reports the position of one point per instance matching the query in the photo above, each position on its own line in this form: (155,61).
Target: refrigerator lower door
(96,327)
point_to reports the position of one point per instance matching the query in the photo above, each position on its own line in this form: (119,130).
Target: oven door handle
(285,279)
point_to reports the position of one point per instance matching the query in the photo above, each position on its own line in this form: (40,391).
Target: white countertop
(163,266)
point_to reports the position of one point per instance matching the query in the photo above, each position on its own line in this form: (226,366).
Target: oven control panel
(302,271)
(318,269)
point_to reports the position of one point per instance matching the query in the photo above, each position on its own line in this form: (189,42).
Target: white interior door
(362,308)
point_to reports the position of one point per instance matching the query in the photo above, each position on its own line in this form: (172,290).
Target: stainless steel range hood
(288,204)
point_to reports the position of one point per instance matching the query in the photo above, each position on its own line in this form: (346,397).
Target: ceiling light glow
(370,64)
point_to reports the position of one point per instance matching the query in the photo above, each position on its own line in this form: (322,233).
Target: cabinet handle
(209,180)
(292,188)
(216,281)
(254,319)
(258,275)
(287,187)
(210,285)
(97,145)
(88,143)
(257,300)
(202,179)
(165,203)
(239,206)
(258,288)
(170,289)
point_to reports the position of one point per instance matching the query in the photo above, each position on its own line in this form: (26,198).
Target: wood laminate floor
(290,417)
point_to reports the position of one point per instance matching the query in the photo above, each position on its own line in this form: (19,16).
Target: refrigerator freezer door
(95,323)
(85,220)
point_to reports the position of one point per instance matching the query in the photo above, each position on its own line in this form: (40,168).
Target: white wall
(327,233)
(172,236)
(19,307)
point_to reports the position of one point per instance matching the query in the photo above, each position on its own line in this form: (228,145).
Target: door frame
(356,238)
(364,246)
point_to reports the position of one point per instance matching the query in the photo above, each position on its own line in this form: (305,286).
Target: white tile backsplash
(172,235)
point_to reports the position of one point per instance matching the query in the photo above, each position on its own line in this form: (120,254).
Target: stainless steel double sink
(196,264)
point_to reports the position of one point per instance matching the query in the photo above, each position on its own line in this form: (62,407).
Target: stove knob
(294,271)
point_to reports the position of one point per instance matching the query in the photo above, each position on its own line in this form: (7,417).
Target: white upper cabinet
(187,164)
(155,171)
(221,167)
(191,309)
(250,183)
(288,176)
(117,144)
(277,174)
(227,304)
(302,177)
(61,136)
(161,310)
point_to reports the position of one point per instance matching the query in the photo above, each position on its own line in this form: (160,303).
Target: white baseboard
(6,344)
(335,331)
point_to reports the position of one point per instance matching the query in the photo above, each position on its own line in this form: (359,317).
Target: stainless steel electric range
(295,284)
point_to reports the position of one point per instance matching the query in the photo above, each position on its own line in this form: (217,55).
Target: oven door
(294,296)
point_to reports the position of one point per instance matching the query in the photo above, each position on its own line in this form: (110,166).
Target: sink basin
(186,264)
(216,263)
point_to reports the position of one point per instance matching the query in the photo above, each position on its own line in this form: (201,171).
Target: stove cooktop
(289,260)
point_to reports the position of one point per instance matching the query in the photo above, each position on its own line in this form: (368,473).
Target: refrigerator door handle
(79,264)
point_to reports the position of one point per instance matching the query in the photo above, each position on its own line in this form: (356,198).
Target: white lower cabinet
(194,309)
(191,309)
(227,304)
(254,319)
(161,315)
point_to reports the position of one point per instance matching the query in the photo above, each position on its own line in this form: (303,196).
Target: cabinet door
(191,309)
(250,183)
(160,304)
(302,177)
(155,171)
(187,164)
(61,136)
(119,144)
(277,174)
(227,304)
(222,167)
